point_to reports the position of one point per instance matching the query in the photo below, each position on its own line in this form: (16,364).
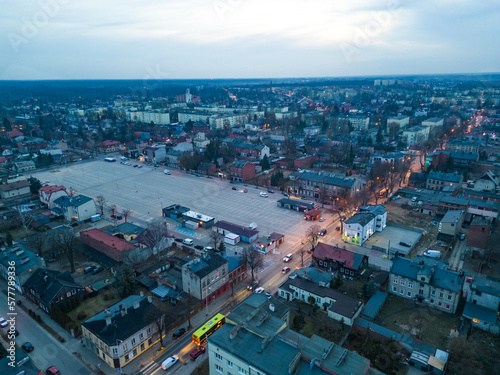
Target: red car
(245,191)
(52,370)
(197,352)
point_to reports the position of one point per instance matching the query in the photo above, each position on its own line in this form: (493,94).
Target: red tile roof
(49,189)
(350,259)
(108,239)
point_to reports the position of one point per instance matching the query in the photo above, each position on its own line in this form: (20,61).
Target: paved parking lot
(146,191)
(392,236)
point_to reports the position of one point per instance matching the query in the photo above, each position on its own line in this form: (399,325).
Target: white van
(166,171)
(436,254)
(253,226)
(288,258)
(123,158)
(169,362)
(188,241)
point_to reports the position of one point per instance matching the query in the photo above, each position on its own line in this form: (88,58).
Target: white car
(166,171)
(259,290)
(188,242)
(3,322)
(169,362)
(264,195)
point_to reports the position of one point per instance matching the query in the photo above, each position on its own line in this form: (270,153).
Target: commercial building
(324,184)
(440,180)
(246,234)
(109,245)
(426,280)
(124,331)
(78,208)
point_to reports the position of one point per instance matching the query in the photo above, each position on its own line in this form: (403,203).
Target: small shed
(312,215)
(231,238)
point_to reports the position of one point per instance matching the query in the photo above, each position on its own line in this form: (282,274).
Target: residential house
(305,161)
(20,262)
(206,278)
(123,331)
(336,259)
(380,214)
(417,180)
(339,306)
(387,158)
(462,145)
(451,223)
(49,193)
(250,151)
(109,146)
(358,228)
(155,154)
(47,287)
(241,171)
(246,234)
(17,190)
(126,231)
(77,208)
(426,280)
(439,180)
(483,303)
(208,169)
(487,182)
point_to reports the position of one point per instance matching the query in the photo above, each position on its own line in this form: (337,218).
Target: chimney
(108,321)
(136,305)
(150,299)
(142,293)
(123,310)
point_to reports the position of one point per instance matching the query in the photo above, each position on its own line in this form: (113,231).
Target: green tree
(8,239)
(337,282)
(264,163)
(127,282)
(222,246)
(35,185)
(370,288)
(7,124)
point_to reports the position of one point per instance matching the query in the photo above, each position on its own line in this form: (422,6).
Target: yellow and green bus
(201,334)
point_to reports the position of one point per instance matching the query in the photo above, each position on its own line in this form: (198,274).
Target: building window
(219,369)
(241,371)
(218,356)
(394,289)
(441,295)
(408,294)
(395,281)
(402,292)
(449,297)
(133,341)
(447,307)
(229,364)
(439,303)
(433,292)
(402,282)
(115,351)
(421,291)
(142,347)
(410,285)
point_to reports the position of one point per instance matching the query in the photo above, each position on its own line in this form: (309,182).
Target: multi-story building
(49,193)
(451,222)
(123,331)
(109,146)
(487,182)
(21,262)
(380,214)
(401,121)
(358,121)
(387,158)
(426,280)
(416,135)
(483,303)
(241,171)
(149,117)
(433,122)
(314,184)
(155,154)
(78,208)
(462,145)
(256,340)
(47,287)
(206,278)
(358,228)
(479,232)
(336,259)
(250,151)
(439,180)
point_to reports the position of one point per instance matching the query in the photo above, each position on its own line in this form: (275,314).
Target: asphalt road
(48,351)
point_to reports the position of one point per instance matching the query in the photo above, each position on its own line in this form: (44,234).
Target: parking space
(392,236)
(147,191)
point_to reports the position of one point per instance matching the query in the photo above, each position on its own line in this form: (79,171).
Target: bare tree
(126,213)
(160,314)
(113,208)
(254,259)
(37,242)
(215,236)
(65,240)
(312,235)
(156,236)
(26,215)
(100,202)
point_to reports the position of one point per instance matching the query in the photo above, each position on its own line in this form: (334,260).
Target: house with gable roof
(335,259)
(49,193)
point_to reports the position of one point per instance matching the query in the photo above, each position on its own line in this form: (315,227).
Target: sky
(177,39)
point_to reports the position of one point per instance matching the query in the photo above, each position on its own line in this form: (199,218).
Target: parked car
(259,290)
(209,248)
(97,270)
(166,171)
(322,232)
(199,247)
(321,219)
(253,285)
(268,295)
(285,270)
(235,188)
(178,239)
(263,195)
(3,322)
(198,175)
(178,333)
(270,191)
(287,258)
(52,370)
(169,362)
(27,347)
(337,228)
(89,269)
(188,242)
(405,244)
(245,190)
(197,352)
(303,198)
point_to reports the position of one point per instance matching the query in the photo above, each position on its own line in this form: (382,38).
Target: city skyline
(60,39)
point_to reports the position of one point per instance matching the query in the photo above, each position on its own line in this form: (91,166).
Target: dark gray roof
(475,311)
(437,270)
(24,258)
(325,178)
(448,177)
(67,201)
(452,216)
(344,305)
(375,209)
(484,284)
(122,327)
(454,200)
(360,218)
(374,305)
(236,229)
(206,265)
(50,284)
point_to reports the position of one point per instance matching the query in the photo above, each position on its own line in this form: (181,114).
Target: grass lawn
(94,305)
(425,323)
